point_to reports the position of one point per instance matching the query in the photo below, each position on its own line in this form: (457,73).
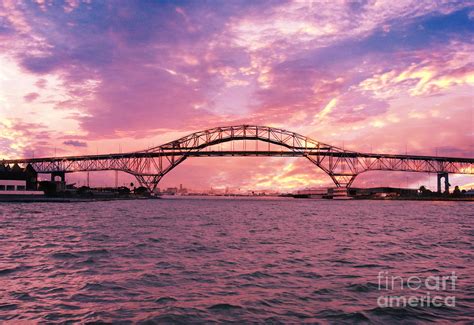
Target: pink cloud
(41,83)
(30,97)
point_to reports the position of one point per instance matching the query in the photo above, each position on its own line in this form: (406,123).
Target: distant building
(182,190)
(17,180)
(469,192)
(343,193)
(171,191)
(381,192)
(314,193)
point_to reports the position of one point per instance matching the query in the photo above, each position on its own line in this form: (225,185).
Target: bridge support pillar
(62,175)
(343,180)
(149,182)
(446,183)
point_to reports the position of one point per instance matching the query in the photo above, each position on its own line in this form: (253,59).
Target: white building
(15,187)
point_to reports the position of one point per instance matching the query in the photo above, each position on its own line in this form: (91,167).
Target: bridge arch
(294,143)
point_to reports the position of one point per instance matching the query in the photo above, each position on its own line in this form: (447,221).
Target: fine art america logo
(430,291)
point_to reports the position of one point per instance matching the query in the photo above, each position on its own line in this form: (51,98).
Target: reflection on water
(206,260)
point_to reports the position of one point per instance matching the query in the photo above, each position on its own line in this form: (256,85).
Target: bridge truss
(151,165)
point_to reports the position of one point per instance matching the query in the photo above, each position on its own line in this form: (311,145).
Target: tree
(123,190)
(457,191)
(141,190)
(424,191)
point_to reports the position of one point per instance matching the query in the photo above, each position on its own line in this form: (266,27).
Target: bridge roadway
(234,153)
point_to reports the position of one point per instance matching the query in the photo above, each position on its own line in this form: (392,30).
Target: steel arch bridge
(151,165)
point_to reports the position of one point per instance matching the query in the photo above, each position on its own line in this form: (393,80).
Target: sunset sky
(86,77)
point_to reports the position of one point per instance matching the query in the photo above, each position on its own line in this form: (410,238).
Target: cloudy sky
(81,77)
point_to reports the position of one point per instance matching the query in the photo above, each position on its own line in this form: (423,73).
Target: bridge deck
(259,153)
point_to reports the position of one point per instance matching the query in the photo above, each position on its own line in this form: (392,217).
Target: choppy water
(229,260)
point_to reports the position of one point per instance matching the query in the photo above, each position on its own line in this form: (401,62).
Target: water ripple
(275,261)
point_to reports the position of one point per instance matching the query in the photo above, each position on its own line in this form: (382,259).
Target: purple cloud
(75,143)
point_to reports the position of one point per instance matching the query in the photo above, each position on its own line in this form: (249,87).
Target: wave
(224,306)
(64,255)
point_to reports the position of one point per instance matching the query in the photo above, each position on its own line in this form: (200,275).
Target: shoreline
(419,199)
(47,199)
(36,199)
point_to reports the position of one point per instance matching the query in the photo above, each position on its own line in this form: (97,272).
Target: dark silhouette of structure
(17,173)
(446,182)
(149,166)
